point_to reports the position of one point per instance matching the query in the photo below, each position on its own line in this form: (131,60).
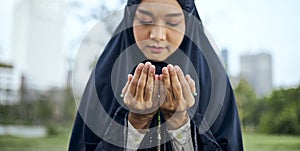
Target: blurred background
(39,45)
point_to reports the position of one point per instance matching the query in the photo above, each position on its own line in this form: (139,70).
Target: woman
(177,95)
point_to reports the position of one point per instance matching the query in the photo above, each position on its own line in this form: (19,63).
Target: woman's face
(158,28)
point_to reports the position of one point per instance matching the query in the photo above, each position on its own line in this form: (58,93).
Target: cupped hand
(178,90)
(141,95)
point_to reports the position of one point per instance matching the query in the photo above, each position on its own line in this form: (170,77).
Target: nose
(158,33)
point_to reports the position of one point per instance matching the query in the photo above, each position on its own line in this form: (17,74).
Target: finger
(185,86)
(149,85)
(142,82)
(124,90)
(176,86)
(192,86)
(134,81)
(166,80)
(155,94)
(162,90)
(191,83)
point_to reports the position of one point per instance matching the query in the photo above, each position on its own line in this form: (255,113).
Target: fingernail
(165,70)
(152,68)
(177,68)
(170,67)
(140,66)
(148,63)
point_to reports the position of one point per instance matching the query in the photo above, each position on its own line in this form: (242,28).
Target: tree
(282,112)
(250,108)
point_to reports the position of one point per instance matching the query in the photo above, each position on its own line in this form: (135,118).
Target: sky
(240,26)
(6,8)
(251,26)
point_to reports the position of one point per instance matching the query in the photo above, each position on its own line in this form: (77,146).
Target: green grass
(252,142)
(264,142)
(53,143)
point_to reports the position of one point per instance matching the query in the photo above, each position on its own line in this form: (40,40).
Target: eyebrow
(174,15)
(145,12)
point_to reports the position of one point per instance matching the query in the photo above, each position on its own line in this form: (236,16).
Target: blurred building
(37,43)
(8,93)
(257,70)
(234,80)
(225,58)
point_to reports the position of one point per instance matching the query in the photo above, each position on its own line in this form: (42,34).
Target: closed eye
(144,21)
(172,24)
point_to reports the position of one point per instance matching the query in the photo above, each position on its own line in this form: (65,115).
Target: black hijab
(99,124)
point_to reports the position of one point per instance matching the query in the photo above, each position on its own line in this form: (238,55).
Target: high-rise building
(256,69)
(225,58)
(8,94)
(37,43)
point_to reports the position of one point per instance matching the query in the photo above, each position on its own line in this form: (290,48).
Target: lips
(156,49)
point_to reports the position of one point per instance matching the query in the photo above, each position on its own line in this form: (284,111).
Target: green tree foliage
(277,114)
(69,106)
(250,107)
(55,106)
(282,115)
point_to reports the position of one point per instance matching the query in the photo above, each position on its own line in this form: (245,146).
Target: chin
(156,59)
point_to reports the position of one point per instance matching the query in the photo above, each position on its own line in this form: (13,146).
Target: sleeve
(134,138)
(182,138)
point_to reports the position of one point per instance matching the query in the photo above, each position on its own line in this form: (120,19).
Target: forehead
(160,6)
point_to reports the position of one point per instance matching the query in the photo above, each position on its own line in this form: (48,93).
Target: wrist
(139,121)
(177,120)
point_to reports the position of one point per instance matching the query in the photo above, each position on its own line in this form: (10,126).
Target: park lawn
(252,142)
(264,142)
(51,143)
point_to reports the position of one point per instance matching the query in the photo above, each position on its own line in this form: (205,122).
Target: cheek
(175,38)
(140,33)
